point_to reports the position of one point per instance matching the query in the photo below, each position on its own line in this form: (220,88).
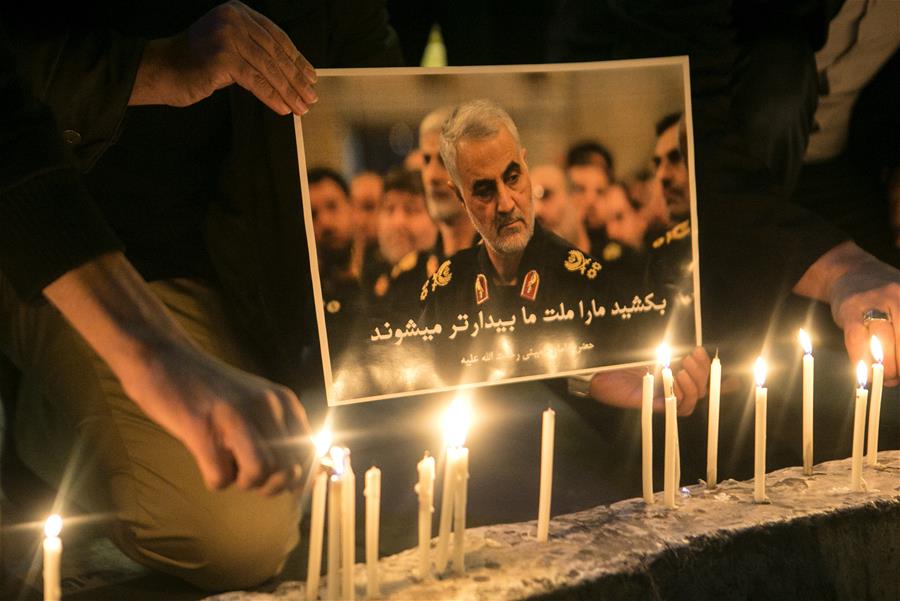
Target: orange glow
(457,420)
(877,351)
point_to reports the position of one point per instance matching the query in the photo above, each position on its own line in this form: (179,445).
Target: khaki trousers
(76,429)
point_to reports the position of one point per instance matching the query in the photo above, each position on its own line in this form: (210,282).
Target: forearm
(113,309)
(821,279)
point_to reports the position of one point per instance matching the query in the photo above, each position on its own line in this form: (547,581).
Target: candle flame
(456,421)
(805,342)
(862,373)
(759,370)
(663,355)
(877,351)
(53,526)
(322,442)
(338,458)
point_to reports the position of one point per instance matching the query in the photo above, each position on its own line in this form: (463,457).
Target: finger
(246,76)
(286,45)
(257,58)
(689,401)
(276,483)
(698,375)
(254,460)
(887,336)
(856,339)
(215,464)
(296,89)
(297,426)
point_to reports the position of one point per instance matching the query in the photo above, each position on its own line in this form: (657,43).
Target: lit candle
(348,529)
(859,424)
(759,463)
(806,343)
(322,442)
(671,468)
(332,582)
(425,490)
(647,437)
(372,492)
(712,438)
(456,423)
(548,426)
(875,410)
(459,510)
(52,557)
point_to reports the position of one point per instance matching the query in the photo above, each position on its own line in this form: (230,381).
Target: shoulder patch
(333,306)
(408,261)
(577,261)
(382,284)
(441,277)
(678,231)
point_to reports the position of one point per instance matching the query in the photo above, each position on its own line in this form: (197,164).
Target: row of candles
(334,484)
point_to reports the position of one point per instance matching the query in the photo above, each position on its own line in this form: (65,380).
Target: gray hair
(433,121)
(476,119)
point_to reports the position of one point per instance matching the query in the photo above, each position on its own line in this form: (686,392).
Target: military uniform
(564,312)
(670,266)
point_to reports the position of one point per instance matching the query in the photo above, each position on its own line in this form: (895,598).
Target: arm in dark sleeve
(83,75)
(48,222)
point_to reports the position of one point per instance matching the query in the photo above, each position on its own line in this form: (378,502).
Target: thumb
(215,463)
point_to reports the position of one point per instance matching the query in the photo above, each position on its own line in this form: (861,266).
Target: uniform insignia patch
(577,261)
(333,306)
(441,277)
(481,289)
(530,285)
(678,232)
(381,285)
(405,264)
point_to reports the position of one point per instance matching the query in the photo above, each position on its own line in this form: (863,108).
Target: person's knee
(219,550)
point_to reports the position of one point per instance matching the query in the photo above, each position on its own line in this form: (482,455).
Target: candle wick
(717,353)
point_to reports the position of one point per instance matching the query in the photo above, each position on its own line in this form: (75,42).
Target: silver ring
(875,315)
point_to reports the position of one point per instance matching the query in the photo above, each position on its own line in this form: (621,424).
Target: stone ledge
(815,539)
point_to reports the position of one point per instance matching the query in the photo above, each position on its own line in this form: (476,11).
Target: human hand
(231,43)
(869,284)
(239,428)
(624,387)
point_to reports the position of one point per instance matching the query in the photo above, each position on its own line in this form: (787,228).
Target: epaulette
(578,261)
(408,261)
(440,277)
(677,232)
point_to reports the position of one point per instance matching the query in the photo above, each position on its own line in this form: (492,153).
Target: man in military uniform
(671,253)
(523,301)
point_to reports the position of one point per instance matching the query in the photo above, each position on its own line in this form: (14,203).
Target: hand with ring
(864,294)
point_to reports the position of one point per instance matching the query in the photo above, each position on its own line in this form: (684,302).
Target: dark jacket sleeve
(48,222)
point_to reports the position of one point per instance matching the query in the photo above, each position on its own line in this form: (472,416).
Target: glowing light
(862,374)
(322,442)
(457,419)
(338,456)
(805,342)
(664,355)
(53,526)
(759,371)
(877,351)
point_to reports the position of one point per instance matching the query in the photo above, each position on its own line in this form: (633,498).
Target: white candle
(808,370)
(316,532)
(372,493)
(670,465)
(333,580)
(875,410)
(425,490)
(859,424)
(712,437)
(759,460)
(322,442)
(548,427)
(456,423)
(459,509)
(52,558)
(348,529)
(647,437)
